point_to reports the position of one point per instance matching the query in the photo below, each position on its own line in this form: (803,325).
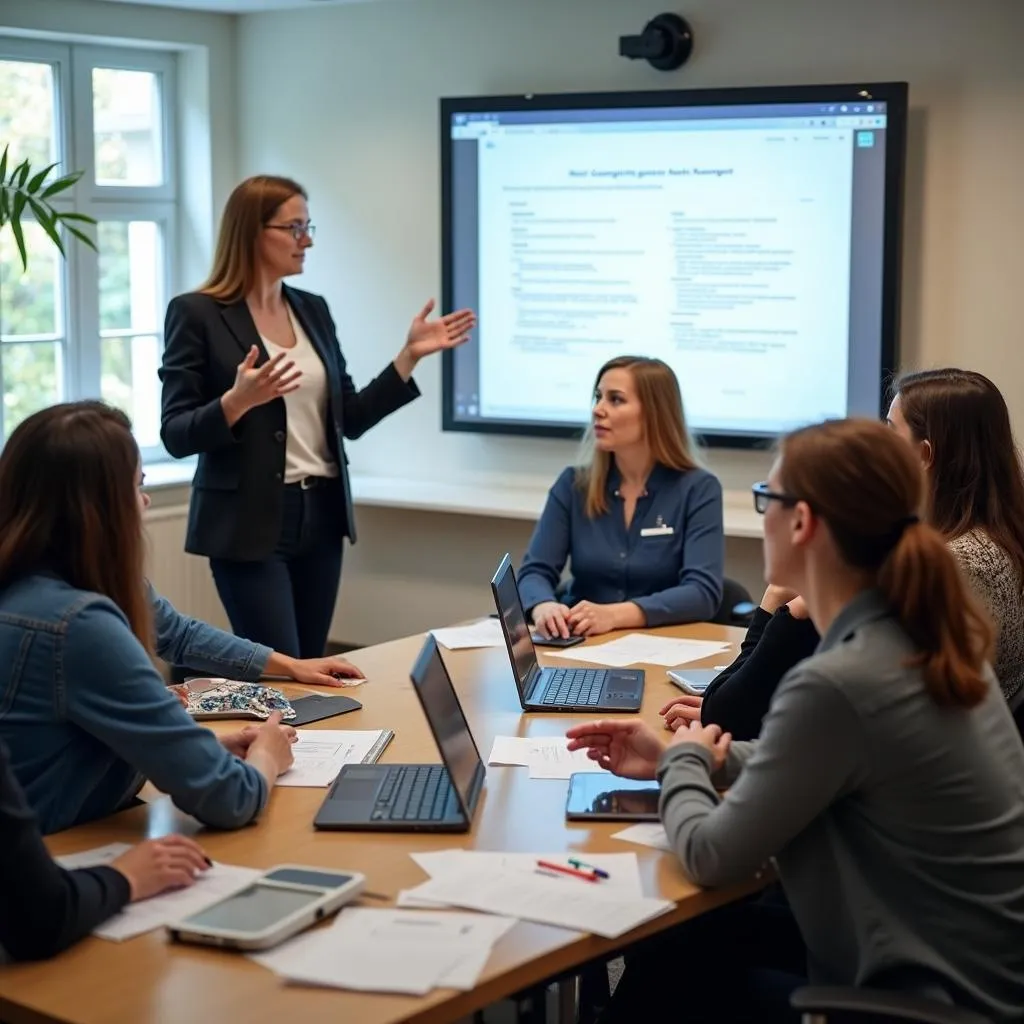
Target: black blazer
(237,493)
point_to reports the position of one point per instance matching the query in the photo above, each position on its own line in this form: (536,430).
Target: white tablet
(278,904)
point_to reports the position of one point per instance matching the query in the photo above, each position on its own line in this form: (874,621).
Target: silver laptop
(557,689)
(415,797)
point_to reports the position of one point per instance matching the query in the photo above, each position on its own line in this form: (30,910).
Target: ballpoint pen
(587,876)
(584,866)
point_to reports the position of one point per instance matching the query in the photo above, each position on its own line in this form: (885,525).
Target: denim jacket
(88,718)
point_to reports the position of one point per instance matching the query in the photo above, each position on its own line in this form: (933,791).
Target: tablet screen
(253,909)
(593,795)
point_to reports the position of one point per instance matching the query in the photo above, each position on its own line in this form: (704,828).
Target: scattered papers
(511,884)
(645,834)
(485,633)
(643,649)
(547,757)
(408,952)
(212,885)
(93,858)
(321,753)
(569,902)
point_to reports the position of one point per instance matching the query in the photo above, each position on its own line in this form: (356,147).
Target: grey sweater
(898,826)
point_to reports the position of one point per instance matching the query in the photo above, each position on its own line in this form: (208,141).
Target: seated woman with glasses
(639,522)
(959,427)
(255,384)
(888,781)
(84,713)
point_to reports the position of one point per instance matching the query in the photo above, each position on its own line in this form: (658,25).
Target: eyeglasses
(298,231)
(763,495)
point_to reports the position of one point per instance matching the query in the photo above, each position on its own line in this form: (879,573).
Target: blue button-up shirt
(669,561)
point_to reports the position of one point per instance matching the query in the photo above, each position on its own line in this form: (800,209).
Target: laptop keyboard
(580,686)
(415,793)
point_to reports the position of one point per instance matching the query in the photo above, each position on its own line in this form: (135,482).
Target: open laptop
(557,689)
(415,797)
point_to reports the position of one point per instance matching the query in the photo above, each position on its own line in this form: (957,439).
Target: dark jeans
(287,601)
(739,963)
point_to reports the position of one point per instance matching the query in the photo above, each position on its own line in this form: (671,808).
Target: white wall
(354,116)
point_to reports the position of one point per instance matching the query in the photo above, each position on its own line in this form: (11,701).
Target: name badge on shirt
(656,531)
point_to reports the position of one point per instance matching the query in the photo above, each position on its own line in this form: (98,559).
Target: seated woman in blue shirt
(640,523)
(83,711)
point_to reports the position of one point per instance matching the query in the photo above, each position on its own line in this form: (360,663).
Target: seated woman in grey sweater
(888,780)
(959,426)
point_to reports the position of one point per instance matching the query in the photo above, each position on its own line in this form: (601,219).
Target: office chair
(736,608)
(864,1006)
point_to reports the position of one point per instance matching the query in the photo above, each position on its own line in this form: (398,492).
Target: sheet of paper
(547,757)
(645,834)
(219,881)
(485,633)
(321,753)
(568,903)
(643,649)
(623,870)
(93,858)
(391,951)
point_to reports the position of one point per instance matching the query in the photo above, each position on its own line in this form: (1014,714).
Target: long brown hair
(249,209)
(866,483)
(975,479)
(68,505)
(664,422)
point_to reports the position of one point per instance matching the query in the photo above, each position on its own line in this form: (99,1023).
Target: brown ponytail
(866,484)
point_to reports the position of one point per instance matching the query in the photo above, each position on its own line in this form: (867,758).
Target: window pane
(131,275)
(129,380)
(30,301)
(27,112)
(33,376)
(127,127)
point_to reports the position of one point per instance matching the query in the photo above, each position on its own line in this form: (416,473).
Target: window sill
(169,473)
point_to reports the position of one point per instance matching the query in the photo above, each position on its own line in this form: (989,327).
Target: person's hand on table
(682,710)
(156,865)
(629,749)
(589,619)
(330,671)
(710,737)
(238,743)
(550,619)
(270,748)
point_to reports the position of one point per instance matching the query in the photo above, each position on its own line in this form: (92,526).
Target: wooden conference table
(149,981)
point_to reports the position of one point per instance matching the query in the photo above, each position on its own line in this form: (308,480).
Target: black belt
(309,483)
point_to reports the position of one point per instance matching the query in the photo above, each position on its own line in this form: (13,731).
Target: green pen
(582,865)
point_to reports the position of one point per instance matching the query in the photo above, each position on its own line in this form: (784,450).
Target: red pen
(585,875)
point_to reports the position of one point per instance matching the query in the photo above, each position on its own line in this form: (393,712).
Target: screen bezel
(894,94)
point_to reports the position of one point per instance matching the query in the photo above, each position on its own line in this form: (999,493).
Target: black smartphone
(594,796)
(557,641)
(318,706)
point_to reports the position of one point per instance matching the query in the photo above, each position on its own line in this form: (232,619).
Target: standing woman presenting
(254,382)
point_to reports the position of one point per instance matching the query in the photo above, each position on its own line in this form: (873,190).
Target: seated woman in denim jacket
(640,522)
(84,712)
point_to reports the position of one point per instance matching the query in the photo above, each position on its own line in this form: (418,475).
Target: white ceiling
(237,6)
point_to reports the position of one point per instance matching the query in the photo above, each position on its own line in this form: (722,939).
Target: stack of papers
(485,633)
(643,649)
(512,884)
(645,834)
(547,757)
(409,952)
(212,885)
(321,753)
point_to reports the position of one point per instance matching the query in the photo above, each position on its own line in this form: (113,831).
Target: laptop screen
(447,721)
(513,619)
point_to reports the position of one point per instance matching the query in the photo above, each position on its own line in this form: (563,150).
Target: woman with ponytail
(888,780)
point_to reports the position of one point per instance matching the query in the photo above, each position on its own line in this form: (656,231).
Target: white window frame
(72,65)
